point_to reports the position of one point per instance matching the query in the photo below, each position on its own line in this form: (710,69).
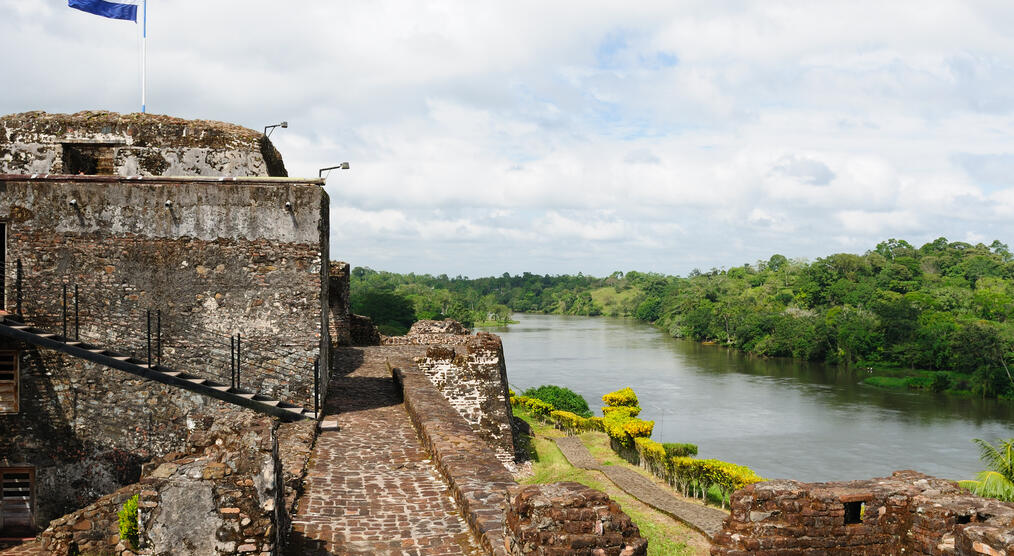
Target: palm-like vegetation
(998,480)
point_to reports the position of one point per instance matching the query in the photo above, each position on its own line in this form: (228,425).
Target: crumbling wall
(226,497)
(473,378)
(907,513)
(568,518)
(134,145)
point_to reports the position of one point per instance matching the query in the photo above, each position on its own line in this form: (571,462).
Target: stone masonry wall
(907,513)
(473,378)
(555,519)
(226,257)
(134,145)
(568,519)
(338,302)
(226,498)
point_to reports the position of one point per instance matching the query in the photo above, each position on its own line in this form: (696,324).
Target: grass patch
(897,378)
(666,537)
(613,303)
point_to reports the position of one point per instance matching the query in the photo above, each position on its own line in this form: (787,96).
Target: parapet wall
(107,143)
(907,513)
(473,378)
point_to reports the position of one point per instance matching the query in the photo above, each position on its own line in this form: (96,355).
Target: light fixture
(288,206)
(342,166)
(267,133)
(72,202)
(168,203)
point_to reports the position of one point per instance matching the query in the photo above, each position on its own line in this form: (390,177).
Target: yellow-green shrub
(570,422)
(624,410)
(695,476)
(624,397)
(595,423)
(538,408)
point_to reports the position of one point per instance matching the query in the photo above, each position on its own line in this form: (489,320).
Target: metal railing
(132,328)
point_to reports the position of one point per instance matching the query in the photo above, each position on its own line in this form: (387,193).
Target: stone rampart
(907,513)
(338,301)
(477,479)
(473,378)
(99,142)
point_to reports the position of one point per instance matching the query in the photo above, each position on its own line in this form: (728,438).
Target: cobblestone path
(31,548)
(370,486)
(702,518)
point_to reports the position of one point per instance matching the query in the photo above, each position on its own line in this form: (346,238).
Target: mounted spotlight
(72,202)
(288,206)
(269,128)
(342,166)
(169,204)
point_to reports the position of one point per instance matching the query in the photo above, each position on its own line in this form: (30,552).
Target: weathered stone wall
(473,378)
(338,302)
(907,513)
(134,145)
(427,332)
(224,258)
(227,257)
(362,331)
(568,519)
(226,498)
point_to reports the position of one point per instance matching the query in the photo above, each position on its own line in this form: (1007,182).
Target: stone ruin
(906,513)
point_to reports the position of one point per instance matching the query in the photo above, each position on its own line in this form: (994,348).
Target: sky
(564,137)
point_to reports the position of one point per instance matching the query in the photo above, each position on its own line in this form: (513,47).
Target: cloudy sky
(558,137)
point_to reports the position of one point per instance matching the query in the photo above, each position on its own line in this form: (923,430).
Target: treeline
(944,307)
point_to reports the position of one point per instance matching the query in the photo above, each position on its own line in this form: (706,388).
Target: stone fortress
(173,328)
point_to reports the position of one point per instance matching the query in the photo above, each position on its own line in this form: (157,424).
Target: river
(782,418)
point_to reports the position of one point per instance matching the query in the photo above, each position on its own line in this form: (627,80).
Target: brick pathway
(370,486)
(702,518)
(31,548)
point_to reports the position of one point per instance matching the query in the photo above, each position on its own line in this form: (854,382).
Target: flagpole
(144,57)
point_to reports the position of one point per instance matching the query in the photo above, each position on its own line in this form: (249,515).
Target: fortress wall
(226,257)
(907,513)
(132,145)
(473,377)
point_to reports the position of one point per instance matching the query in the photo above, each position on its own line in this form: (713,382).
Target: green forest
(934,317)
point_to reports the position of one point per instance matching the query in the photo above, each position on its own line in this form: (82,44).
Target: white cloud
(592,136)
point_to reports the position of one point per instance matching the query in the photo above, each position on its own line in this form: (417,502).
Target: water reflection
(783,418)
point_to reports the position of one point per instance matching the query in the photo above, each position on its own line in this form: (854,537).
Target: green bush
(674,450)
(562,399)
(128,521)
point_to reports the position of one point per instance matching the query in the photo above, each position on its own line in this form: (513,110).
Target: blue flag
(111,10)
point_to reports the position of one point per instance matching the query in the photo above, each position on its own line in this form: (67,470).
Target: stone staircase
(17,330)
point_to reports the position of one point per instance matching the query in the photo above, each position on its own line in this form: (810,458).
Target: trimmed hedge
(624,397)
(693,477)
(675,450)
(538,408)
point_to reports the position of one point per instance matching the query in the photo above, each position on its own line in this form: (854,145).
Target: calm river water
(782,418)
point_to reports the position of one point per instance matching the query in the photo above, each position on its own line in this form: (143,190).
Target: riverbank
(666,537)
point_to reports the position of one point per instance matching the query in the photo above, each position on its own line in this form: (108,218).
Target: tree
(997,481)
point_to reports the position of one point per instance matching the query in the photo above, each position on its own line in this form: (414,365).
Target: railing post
(316,387)
(158,336)
(239,357)
(148,314)
(17,286)
(232,360)
(77,319)
(65,312)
